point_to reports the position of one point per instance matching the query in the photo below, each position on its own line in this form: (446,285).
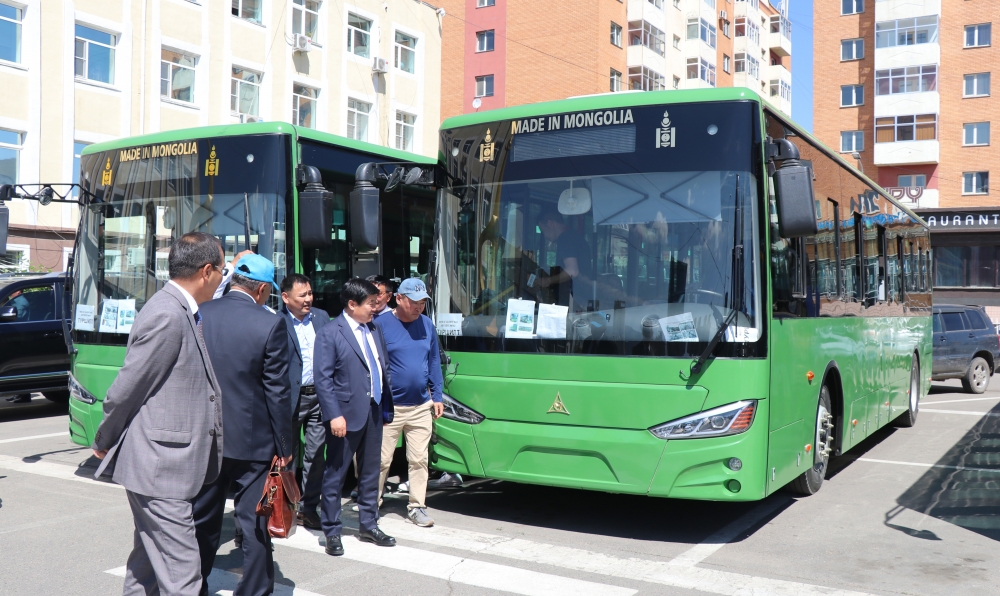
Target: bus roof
(257,128)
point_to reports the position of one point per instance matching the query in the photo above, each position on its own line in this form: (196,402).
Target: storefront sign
(942,220)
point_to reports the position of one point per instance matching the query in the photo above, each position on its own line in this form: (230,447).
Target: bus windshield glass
(213,186)
(598,240)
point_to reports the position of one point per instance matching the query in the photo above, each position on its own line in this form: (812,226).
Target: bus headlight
(76,391)
(730,419)
(455,410)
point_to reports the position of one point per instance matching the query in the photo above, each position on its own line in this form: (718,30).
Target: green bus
(281,190)
(678,294)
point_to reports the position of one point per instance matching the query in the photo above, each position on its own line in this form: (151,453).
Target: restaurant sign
(946,220)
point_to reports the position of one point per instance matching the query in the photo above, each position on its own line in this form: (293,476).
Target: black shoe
(20,399)
(376,537)
(310,519)
(354,496)
(238,540)
(334,547)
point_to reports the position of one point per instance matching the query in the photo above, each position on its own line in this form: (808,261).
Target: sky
(800,13)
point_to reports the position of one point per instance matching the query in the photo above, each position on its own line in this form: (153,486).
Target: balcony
(901,104)
(779,38)
(907,152)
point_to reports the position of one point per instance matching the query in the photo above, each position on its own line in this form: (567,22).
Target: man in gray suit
(305,321)
(162,427)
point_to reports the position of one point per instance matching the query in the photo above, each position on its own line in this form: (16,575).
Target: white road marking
(920,465)
(458,569)
(50,435)
(682,574)
(44,468)
(699,552)
(222,583)
(955,401)
(962,412)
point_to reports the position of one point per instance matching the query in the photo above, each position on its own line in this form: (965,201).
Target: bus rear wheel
(909,418)
(810,481)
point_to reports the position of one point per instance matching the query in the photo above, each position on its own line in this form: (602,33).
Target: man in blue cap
(415,362)
(248,348)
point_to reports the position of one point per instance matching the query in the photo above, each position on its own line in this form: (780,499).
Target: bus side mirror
(315,210)
(8,314)
(364,209)
(793,189)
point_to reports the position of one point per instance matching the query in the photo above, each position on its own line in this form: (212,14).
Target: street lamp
(857,156)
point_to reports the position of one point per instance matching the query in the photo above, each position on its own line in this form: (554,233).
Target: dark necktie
(373,365)
(197,327)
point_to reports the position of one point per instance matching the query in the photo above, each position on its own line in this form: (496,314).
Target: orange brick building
(905,85)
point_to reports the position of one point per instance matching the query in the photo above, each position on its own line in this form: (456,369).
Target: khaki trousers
(415,423)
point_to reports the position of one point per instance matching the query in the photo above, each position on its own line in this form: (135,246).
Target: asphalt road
(910,511)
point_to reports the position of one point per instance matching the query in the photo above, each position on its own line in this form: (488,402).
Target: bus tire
(977,378)
(810,481)
(909,418)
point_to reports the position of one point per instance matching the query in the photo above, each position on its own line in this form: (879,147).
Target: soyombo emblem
(558,407)
(106,174)
(212,163)
(666,135)
(486,148)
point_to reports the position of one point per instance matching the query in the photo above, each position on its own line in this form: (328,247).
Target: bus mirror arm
(315,209)
(793,189)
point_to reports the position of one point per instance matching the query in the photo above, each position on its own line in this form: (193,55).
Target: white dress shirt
(190,299)
(359,336)
(306,334)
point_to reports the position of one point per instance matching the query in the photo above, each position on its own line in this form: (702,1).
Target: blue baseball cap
(414,289)
(257,268)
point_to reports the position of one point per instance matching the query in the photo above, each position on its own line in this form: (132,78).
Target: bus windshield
(607,252)
(126,234)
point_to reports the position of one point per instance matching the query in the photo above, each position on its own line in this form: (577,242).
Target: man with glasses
(415,361)
(384,285)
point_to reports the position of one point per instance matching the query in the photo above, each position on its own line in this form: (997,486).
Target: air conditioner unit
(723,15)
(252,119)
(379,65)
(302,43)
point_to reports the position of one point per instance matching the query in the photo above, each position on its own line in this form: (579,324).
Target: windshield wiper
(737,283)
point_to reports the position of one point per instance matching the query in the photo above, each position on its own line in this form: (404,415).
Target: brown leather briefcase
(279,501)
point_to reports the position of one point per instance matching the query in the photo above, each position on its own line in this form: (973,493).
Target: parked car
(966,346)
(33,354)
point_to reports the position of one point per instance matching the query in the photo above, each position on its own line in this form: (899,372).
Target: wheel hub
(824,436)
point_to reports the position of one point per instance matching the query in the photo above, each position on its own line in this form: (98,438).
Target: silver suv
(966,346)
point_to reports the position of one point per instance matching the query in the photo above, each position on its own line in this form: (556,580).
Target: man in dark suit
(351,373)
(304,322)
(249,350)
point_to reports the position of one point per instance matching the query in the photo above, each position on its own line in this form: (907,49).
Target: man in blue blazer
(305,321)
(351,374)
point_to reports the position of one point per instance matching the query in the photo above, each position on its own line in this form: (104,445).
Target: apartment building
(510,52)
(904,86)
(86,71)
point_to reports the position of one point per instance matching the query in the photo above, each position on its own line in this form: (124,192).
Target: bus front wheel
(909,418)
(810,481)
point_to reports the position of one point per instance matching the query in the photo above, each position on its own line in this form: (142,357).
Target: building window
(77,152)
(966,266)
(247,9)
(304,105)
(357,119)
(677,82)
(641,33)
(677,4)
(701,29)
(748,64)
(484,40)
(642,78)
(305,18)
(852,6)
(10,155)
(95,55)
(177,76)
(894,129)
(17,259)
(616,34)
(912,181)
(406,52)
(10,33)
(977,85)
(852,95)
(852,49)
(781,89)
(754,3)
(485,3)
(677,43)
(906,32)
(616,80)
(358,35)
(699,68)
(851,141)
(912,79)
(976,133)
(405,125)
(782,25)
(977,36)
(976,183)
(484,86)
(244,91)
(747,29)
(725,63)
(656,3)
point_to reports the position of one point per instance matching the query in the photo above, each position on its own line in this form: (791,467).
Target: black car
(966,346)
(33,354)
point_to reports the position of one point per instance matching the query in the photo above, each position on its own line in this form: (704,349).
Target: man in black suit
(304,322)
(248,347)
(351,373)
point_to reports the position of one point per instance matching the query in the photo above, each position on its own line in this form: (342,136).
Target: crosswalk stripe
(32,437)
(922,465)
(459,569)
(222,583)
(44,468)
